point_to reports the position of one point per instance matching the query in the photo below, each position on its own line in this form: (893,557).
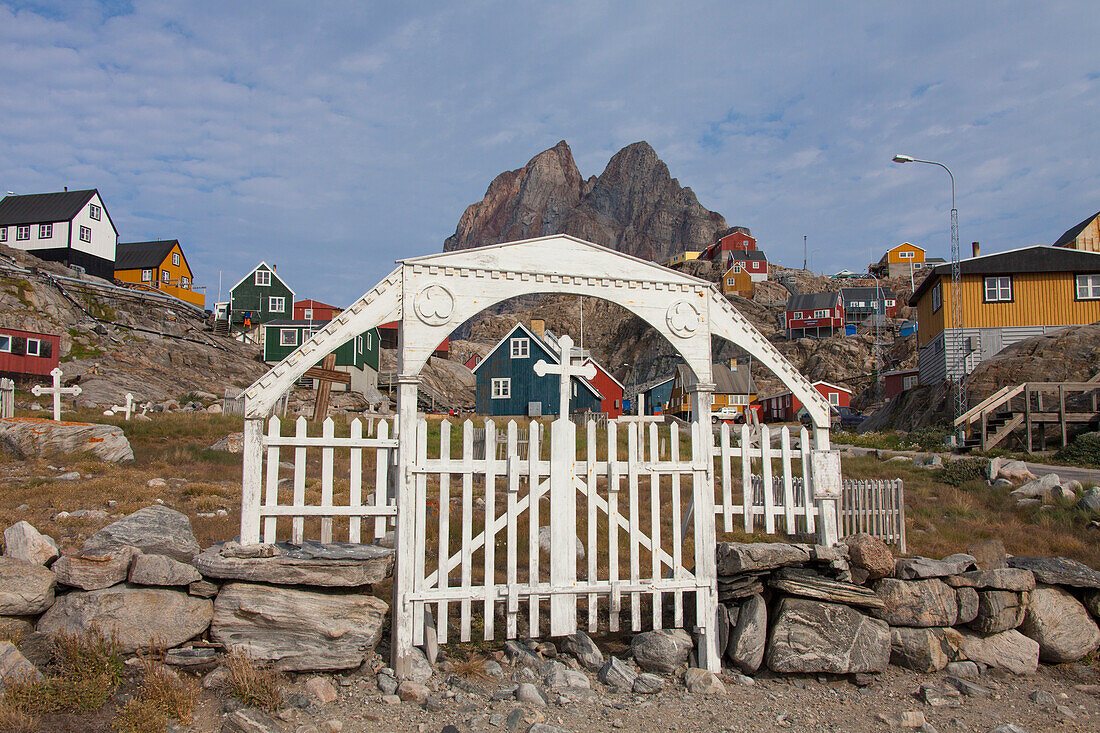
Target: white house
(72,227)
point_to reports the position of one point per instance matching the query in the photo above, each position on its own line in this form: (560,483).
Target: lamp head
(899,158)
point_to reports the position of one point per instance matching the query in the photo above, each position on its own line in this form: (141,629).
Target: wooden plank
(746,478)
(901,516)
(271,494)
(512,605)
(632,494)
(442,574)
(655,526)
(355,481)
(766,475)
(534,448)
(251,476)
(677,528)
(420,488)
(591,554)
(1062,414)
(726,467)
(613,525)
(808,494)
(328,431)
(297,525)
(467,528)
(489,610)
(788,488)
(381,479)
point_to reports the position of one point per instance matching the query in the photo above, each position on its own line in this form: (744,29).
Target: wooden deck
(1027,411)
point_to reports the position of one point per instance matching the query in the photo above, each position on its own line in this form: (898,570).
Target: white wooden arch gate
(431,296)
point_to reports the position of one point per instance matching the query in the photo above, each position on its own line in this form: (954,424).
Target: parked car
(842,417)
(726,414)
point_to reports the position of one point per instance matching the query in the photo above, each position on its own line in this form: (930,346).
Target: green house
(358,357)
(260,297)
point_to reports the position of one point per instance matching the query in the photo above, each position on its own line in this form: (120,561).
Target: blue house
(507,383)
(657,397)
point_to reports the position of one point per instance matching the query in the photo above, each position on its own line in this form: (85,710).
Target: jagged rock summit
(635,206)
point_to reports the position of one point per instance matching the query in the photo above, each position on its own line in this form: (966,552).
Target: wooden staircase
(1027,408)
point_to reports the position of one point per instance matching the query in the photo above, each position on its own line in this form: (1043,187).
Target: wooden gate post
(706,539)
(401,622)
(253,453)
(827,486)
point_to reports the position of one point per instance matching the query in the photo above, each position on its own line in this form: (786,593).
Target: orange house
(159,265)
(902,260)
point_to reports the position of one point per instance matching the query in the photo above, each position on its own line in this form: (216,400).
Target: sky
(333,138)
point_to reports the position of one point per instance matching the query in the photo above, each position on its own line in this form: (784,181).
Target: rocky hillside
(634,206)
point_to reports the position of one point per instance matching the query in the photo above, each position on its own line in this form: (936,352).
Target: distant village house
(785,407)
(159,265)
(70,227)
(1085,236)
(813,315)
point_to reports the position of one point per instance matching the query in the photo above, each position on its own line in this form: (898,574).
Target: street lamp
(956,284)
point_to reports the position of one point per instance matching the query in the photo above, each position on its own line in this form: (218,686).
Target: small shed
(28,353)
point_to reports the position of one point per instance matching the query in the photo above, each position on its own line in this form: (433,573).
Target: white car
(726,414)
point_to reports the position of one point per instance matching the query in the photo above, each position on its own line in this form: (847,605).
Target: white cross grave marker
(566,370)
(56,390)
(127,408)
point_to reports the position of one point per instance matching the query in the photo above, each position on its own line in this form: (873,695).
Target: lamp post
(956,285)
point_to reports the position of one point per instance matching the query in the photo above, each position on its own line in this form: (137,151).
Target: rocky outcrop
(635,206)
(35,437)
(156,530)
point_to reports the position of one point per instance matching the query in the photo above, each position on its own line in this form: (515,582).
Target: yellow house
(158,265)
(902,260)
(682,257)
(1085,236)
(734,389)
(1005,298)
(737,281)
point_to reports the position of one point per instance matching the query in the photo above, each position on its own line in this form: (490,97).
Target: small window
(45,231)
(164,276)
(276,304)
(502,389)
(369,339)
(263,277)
(288,337)
(730,282)
(308,314)
(3,234)
(94,212)
(359,344)
(998,289)
(34,347)
(834,399)
(891,303)
(521,348)
(185,282)
(909,382)
(906,255)
(821,314)
(22,232)
(147,276)
(176,259)
(5,343)
(85,234)
(1088,287)
(937,297)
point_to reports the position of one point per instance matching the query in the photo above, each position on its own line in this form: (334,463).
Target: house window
(937,297)
(737,268)
(5,343)
(891,303)
(821,314)
(906,255)
(359,344)
(288,337)
(521,348)
(164,276)
(795,314)
(147,276)
(176,259)
(45,231)
(22,232)
(94,212)
(834,398)
(185,282)
(369,343)
(3,234)
(908,382)
(308,314)
(276,304)
(263,277)
(998,289)
(730,282)
(34,347)
(502,389)
(1088,287)
(85,234)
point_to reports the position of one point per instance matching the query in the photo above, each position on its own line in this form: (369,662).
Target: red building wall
(14,359)
(321,311)
(737,241)
(473,361)
(835,319)
(612,403)
(894,384)
(776,409)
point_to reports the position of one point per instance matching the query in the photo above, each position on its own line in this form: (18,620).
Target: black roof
(43,208)
(866,293)
(752,254)
(143,255)
(812,301)
(1039,258)
(1070,234)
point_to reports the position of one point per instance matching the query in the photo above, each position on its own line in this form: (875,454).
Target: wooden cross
(127,408)
(566,369)
(56,390)
(325,375)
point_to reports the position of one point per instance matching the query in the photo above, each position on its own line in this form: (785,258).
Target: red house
(473,361)
(315,310)
(610,388)
(897,382)
(813,315)
(388,333)
(753,262)
(784,406)
(736,239)
(28,353)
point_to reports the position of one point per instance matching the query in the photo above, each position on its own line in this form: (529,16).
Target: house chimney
(976,248)
(66,189)
(538,326)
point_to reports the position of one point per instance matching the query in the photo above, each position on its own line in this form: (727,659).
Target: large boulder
(870,553)
(741,557)
(156,530)
(919,603)
(1058,571)
(810,636)
(299,630)
(583,649)
(14,667)
(23,542)
(139,618)
(916,568)
(337,565)
(1014,471)
(1037,489)
(661,651)
(1015,579)
(749,636)
(95,570)
(810,584)
(988,554)
(999,610)
(924,650)
(1008,650)
(162,570)
(1061,625)
(25,589)
(35,437)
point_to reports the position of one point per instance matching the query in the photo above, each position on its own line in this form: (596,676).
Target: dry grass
(162,696)
(253,682)
(472,667)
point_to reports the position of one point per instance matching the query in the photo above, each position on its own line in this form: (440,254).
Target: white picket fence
(874,507)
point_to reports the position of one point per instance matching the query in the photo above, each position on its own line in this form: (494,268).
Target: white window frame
(307,314)
(185,282)
(85,234)
(907,255)
(176,259)
(891,303)
(165,276)
(284,341)
(1088,286)
(37,347)
(937,297)
(501,388)
(45,231)
(359,344)
(276,304)
(147,276)
(22,232)
(997,288)
(520,348)
(796,314)
(370,338)
(821,314)
(909,381)
(5,343)
(3,234)
(834,399)
(94,211)
(730,282)
(262,278)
